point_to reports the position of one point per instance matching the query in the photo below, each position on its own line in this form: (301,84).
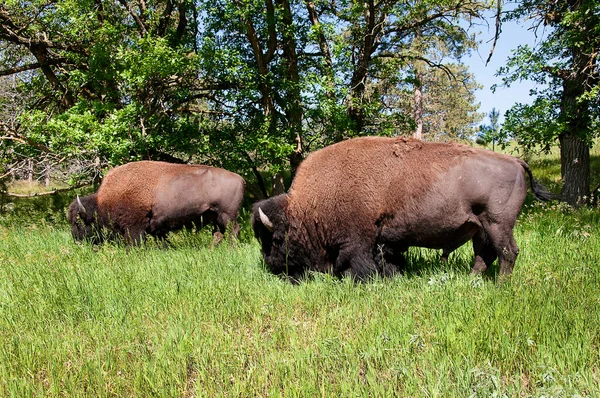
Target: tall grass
(189,320)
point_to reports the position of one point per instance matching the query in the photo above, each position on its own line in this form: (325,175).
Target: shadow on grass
(421,262)
(595,169)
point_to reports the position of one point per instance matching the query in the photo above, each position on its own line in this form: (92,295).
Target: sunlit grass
(25,188)
(213,322)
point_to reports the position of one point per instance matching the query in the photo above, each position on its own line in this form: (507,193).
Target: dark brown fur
(156,197)
(356,206)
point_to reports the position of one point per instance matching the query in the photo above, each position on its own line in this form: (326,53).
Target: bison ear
(265,220)
(80,208)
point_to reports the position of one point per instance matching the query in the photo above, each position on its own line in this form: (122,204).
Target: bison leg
(235,230)
(223,220)
(445,255)
(389,260)
(134,236)
(162,238)
(498,242)
(501,237)
(508,256)
(357,262)
(217,236)
(485,254)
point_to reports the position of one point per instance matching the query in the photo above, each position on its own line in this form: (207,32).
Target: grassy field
(193,321)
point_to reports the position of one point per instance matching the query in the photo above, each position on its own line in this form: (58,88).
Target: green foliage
(565,67)
(251,85)
(380,76)
(536,124)
(493,133)
(450,108)
(573,29)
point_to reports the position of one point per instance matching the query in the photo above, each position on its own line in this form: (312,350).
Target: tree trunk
(278,184)
(30,171)
(293,102)
(356,101)
(326,69)
(263,58)
(47,170)
(374,16)
(575,170)
(418,112)
(575,114)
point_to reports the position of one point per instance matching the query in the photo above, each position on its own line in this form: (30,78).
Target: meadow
(195,321)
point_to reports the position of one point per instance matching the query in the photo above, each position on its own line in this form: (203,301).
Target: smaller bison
(154,198)
(356,206)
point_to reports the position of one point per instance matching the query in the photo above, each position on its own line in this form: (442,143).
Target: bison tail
(540,192)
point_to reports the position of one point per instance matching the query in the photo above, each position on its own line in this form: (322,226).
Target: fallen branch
(45,193)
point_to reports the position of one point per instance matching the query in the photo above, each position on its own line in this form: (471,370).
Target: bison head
(82,215)
(271,228)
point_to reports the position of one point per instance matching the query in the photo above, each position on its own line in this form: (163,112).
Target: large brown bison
(154,198)
(356,206)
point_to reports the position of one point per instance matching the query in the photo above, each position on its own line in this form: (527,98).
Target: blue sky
(512,35)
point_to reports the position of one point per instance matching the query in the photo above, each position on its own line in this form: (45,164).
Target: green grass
(193,321)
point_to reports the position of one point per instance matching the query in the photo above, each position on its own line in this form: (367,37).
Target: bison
(154,198)
(356,206)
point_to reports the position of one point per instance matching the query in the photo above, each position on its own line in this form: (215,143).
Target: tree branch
(10,32)
(181,25)
(429,62)
(14,136)
(314,18)
(163,22)
(272,43)
(498,29)
(35,65)
(263,60)
(135,17)
(447,12)
(556,72)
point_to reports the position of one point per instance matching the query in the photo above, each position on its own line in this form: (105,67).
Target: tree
(565,63)
(444,101)
(301,62)
(249,85)
(369,42)
(493,132)
(265,40)
(106,83)
(450,110)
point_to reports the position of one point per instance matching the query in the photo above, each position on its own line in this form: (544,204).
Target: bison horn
(265,220)
(81,208)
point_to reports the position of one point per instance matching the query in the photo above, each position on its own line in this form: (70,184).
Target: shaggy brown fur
(356,206)
(156,197)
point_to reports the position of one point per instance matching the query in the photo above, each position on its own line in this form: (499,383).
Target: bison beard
(154,198)
(355,207)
